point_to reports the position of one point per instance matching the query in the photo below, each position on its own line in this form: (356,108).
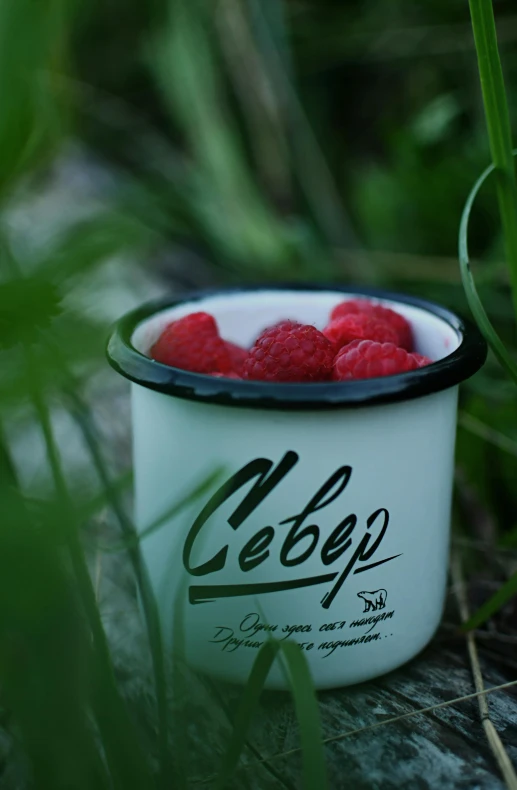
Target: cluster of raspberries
(362,340)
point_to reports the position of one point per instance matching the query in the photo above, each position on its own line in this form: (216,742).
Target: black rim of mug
(466,360)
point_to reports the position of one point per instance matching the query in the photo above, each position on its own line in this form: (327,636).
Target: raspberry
(365,359)
(395,320)
(421,360)
(193,343)
(290,353)
(285,323)
(238,356)
(359,326)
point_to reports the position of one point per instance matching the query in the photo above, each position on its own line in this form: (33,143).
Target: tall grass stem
(499,129)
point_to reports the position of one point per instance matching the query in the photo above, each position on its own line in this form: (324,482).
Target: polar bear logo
(373,600)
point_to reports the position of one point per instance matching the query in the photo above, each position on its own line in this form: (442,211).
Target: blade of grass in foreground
(196,493)
(128,765)
(44,645)
(499,129)
(475,304)
(496,344)
(81,414)
(181,728)
(486,432)
(314,772)
(496,602)
(247,708)
(7,470)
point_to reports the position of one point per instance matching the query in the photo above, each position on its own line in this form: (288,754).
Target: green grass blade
(127,763)
(492,82)
(486,432)
(88,244)
(196,493)
(510,587)
(44,649)
(273,16)
(498,123)
(185,63)
(7,470)
(475,304)
(33,41)
(248,706)
(80,412)
(101,500)
(502,596)
(314,770)
(181,729)
(312,170)
(131,543)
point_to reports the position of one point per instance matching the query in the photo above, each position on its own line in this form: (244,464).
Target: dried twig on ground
(496,745)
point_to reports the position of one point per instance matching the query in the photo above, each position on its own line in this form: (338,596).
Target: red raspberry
(285,323)
(397,321)
(365,359)
(359,326)
(193,343)
(238,356)
(290,353)
(421,361)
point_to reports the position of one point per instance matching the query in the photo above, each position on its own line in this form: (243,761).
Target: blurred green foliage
(260,140)
(388,90)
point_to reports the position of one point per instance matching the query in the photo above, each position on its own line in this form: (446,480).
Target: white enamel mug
(330,524)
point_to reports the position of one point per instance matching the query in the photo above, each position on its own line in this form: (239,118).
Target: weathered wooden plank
(445,748)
